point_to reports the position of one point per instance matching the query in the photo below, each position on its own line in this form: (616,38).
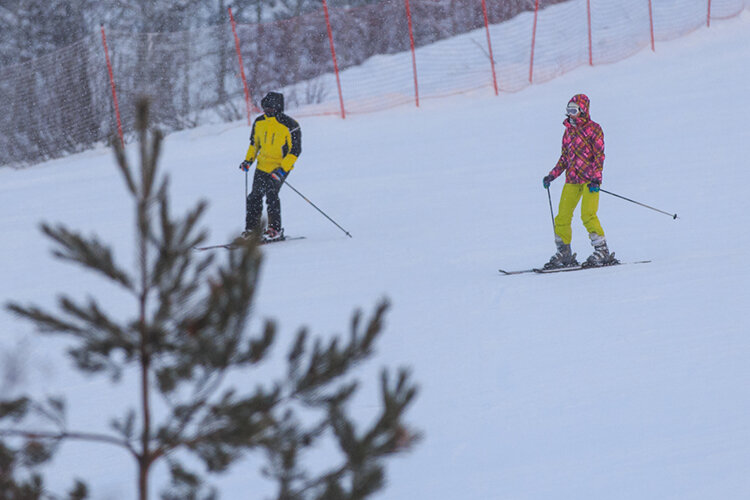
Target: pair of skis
(230,246)
(541,270)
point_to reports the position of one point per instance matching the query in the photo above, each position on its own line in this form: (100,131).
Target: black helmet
(273,101)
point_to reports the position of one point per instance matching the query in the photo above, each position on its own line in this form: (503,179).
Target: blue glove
(245,165)
(547,181)
(279,175)
(593,187)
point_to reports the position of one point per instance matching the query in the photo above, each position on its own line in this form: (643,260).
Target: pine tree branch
(88,252)
(65,435)
(122,165)
(184,415)
(99,334)
(45,322)
(228,427)
(15,409)
(94,319)
(328,364)
(53,411)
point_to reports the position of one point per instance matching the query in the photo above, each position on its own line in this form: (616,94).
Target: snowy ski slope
(622,383)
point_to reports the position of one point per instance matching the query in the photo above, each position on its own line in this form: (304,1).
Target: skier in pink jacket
(582,159)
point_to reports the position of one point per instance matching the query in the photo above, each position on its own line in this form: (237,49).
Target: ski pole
(674,216)
(551,213)
(246,195)
(319,210)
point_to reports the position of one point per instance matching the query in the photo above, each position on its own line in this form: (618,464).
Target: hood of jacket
(273,100)
(583,103)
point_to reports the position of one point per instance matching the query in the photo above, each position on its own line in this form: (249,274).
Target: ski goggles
(572,109)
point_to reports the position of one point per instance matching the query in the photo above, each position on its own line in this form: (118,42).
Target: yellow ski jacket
(276,141)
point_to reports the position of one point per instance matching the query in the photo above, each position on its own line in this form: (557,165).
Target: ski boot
(601,255)
(563,258)
(271,234)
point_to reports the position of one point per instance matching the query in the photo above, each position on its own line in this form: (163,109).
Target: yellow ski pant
(569,198)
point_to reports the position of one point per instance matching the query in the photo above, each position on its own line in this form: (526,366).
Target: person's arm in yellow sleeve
(250,156)
(252,151)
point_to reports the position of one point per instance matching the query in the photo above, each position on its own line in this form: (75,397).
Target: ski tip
(214,247)
(510,273)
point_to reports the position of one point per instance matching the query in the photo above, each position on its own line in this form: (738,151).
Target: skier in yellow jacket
(276,142)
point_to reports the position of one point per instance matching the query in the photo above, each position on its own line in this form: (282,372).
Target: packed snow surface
(628,382)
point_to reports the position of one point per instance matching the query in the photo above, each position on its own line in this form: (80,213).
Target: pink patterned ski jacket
(582,147)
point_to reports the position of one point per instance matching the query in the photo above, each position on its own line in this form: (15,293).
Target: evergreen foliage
(187,337)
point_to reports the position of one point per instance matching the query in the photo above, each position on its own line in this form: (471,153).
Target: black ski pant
(263,185)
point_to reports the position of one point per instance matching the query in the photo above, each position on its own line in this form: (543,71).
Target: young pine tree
(186,336)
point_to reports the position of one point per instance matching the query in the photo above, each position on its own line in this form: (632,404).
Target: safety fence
(335,61)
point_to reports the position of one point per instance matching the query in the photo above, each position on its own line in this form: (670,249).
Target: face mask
(572,109)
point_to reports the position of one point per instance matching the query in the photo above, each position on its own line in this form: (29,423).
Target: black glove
(547,181)
(593,187)
(245,165)
(279,176)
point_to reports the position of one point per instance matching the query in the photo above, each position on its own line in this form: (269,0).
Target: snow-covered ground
(621,383)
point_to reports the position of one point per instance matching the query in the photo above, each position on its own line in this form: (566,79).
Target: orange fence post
(242,67)
(588,16)
(533,43)
(112,84)
(333,54)
(651,21)
(489,44)
(413,54)
(708,16)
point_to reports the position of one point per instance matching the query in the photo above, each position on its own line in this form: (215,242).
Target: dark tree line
(32,28)
(55,87)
